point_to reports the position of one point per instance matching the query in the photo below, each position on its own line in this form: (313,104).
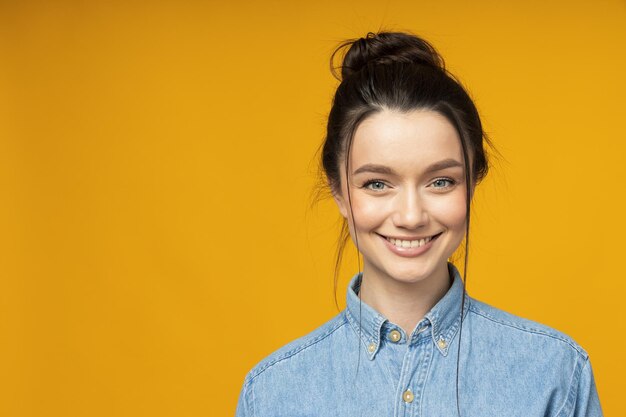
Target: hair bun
(385,48)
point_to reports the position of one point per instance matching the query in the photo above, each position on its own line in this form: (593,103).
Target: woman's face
(407,188)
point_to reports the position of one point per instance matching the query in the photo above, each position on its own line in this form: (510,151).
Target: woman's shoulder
(519,329)
(300,347)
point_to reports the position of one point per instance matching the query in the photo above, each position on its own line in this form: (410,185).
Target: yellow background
(157,164)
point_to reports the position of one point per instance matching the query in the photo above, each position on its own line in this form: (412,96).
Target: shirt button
(442,343)
(395,336)
(371,347)
(408,396)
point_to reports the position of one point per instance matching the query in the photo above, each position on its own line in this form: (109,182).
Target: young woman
(403,153)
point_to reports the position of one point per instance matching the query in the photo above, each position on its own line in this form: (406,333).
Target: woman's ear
(341,203)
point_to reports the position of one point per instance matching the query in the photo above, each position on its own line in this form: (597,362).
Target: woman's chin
(409,277)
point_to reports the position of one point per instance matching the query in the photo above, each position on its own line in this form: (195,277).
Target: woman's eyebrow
(383,169)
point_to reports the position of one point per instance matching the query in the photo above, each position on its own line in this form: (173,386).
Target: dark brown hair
(400,72)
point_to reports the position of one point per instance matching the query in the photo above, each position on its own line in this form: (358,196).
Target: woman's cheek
(450,210)
(369,211)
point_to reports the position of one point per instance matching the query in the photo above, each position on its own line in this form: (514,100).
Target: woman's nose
(409,210)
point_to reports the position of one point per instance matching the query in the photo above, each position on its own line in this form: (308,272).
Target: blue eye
(374,185)
(443,183)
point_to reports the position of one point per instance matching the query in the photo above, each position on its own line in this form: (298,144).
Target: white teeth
(409,243)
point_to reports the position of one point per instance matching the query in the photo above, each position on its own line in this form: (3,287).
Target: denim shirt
(361,364)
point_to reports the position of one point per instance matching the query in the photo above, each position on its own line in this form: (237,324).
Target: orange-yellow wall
(156,164)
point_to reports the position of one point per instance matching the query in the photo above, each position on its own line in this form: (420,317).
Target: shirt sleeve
(244,406)
(584,396)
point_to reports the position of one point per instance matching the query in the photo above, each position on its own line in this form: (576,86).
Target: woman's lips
(409,248)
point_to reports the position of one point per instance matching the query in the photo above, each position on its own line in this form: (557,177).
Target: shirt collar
(443,319)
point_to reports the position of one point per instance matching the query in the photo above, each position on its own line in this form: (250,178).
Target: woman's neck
(404,303)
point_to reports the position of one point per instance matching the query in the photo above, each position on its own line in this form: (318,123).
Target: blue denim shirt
(361,364)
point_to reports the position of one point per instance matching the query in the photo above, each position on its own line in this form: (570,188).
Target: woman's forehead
(405,140)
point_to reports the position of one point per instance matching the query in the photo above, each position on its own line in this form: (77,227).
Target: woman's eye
(375,185)
(443,183)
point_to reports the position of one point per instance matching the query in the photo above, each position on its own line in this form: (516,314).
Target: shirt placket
(413,378)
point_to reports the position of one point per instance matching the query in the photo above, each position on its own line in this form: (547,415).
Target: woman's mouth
(401,243)
(410,247)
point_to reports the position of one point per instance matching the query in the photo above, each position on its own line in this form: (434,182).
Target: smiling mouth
(400,243)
